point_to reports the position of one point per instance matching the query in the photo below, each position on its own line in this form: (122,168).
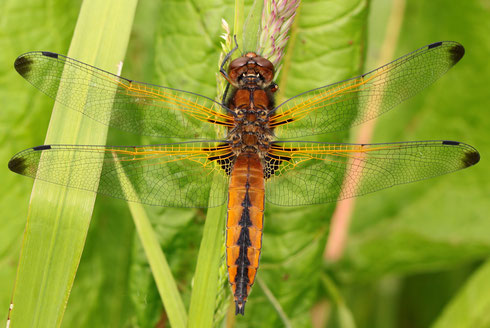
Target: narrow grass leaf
(206,278)
(167,287)
(471,306)
(58,217)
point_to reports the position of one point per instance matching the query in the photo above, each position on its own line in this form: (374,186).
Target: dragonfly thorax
(251,131)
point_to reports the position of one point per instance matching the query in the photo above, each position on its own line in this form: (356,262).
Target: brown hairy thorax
(251,75)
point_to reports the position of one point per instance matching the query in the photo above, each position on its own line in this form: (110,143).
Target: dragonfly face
(252,70)
(244,163)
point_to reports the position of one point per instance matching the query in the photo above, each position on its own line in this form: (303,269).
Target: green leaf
(158,263)
(471,305)
(205,289)
(58,218)
(343,314)
(24,116)
(438,223)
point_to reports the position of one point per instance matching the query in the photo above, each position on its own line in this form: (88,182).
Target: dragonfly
(236,151)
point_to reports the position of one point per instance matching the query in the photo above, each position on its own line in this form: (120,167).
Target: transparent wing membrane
(302,173)
(344,104)
(196,174)
(176,175)
(131,106)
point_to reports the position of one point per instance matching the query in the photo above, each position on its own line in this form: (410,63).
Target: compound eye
(262,113)
(261,61)
(237,63)
(241,112)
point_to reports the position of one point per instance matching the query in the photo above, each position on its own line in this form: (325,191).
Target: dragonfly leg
(227,57)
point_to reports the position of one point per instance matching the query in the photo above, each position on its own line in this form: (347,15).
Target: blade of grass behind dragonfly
(251,27)
(167,287)
(58,217)
(206,277)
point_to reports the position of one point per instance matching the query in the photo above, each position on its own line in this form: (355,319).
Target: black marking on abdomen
(242,262)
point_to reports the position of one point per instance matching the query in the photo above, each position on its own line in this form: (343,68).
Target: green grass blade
(167,287)
(205,289)
(206,278)
(342,312)
(58,217)
(471,305)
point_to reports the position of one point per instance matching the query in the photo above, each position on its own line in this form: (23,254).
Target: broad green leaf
(342,317)
(158,263)
(24,116)
(471,305)
(433,230)
(58,218)
(442,222)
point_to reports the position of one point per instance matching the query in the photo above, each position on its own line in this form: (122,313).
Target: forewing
(313,173)
(128,105)
(175,175)
(344,104)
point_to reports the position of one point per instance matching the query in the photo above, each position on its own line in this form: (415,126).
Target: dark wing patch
(274,160)
(23,65)
(457,52)
(225,159)
(471,158)
(18,165)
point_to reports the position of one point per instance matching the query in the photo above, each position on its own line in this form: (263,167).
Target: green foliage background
(416,254)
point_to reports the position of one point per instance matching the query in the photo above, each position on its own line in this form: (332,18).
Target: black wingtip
(471,158)
(457,52)
(23,65)
(239,308)
(17,165)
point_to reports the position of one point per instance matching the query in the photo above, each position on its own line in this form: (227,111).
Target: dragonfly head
(251,68)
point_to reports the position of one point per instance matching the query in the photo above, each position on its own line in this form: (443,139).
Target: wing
(176,175)
(128,105)
(313,173)
(344,104)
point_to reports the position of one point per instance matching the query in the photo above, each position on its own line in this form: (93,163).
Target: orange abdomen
(244,225)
